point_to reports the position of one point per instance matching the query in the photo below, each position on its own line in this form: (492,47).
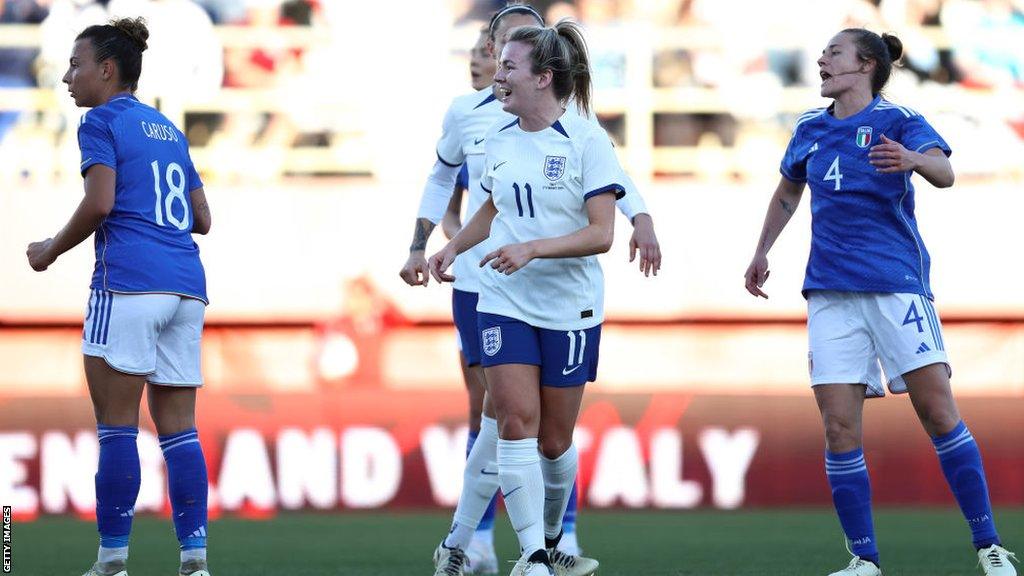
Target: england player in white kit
(552,178)
(463,140)
(144,321)
(870,314)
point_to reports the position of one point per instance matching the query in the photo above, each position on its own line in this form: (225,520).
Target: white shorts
(854,334)
(152,335)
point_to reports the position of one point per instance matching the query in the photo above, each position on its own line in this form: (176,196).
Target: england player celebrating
(553,178)
(463,139)
(143,200)
(867,284)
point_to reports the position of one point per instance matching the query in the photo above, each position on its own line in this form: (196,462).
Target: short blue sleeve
(96,143)
(794,161)
(919,136)
(462,180)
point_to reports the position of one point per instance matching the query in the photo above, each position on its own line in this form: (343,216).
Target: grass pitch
(914,542)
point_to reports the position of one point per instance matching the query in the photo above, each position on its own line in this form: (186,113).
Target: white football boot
(531,567)
(570,565)
(194,568)
(995,561)
(449,561)
(859,567)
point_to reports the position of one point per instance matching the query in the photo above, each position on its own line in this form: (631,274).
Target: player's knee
(552,447)
(940,420)
(841,434)
(516,427)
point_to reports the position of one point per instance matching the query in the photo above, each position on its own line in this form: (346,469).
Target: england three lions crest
(554,167)
(491,340)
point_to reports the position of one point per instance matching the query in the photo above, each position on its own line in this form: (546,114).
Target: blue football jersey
(145,244)
(864,236)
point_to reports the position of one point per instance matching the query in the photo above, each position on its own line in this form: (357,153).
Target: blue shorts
(566,357)
(464,314)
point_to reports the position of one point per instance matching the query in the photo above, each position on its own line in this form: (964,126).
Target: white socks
(559,477)
(112,555)
(479,483)
(522,485)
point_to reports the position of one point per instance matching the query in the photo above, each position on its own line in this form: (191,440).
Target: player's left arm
(92,210)
(201,217)
(595,238)
(644,240)
(890,157)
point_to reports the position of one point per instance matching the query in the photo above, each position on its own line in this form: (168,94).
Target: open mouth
(503,93)
(824,75)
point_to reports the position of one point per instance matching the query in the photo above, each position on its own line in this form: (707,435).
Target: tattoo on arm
(204,209)
(787,207)
(421,233)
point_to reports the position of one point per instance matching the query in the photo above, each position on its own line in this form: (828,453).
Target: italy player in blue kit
(870,313)
(552,179)
(144,320)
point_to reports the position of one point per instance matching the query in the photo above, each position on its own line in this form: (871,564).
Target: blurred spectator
(16,64)
(987,36)
(921,54)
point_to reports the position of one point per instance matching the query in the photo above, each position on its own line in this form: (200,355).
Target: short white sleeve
(601,170)
(449,147)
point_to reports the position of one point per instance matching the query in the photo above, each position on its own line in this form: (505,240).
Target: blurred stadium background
(332,386)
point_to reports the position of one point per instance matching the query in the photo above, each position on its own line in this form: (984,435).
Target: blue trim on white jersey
(558,128)
(490,98)
(447,163)
(486,189)
(509,125)
(618,189)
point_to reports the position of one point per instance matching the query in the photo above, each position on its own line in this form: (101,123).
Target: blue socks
(961,464)
(851,493)
(569,518)
(118,476)
(187,487)
(487,522)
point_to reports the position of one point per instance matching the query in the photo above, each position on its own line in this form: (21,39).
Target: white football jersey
(540,181)
(462,141)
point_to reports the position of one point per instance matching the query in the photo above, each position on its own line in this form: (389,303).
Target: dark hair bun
(895,47)
(135,29)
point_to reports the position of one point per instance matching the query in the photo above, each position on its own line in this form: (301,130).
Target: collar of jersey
(120,95)
(856,117)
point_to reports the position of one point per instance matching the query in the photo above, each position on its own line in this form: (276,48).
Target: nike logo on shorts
(477,142)
(486,473)
(567,371)
(499,164)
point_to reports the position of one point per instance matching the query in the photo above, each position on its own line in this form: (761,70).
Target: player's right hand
(440,262)
(757,275)
(415,270)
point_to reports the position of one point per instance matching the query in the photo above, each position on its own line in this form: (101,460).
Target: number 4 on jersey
(834,174)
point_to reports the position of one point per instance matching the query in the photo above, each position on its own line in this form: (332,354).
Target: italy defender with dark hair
(144,321)
(870,314)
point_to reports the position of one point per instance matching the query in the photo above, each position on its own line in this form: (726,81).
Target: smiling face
(481,63)
(840,68)
(86,78)
(515,84)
